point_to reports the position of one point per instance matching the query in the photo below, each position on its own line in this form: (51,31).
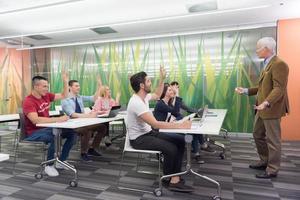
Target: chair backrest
(22,127)
(127,145)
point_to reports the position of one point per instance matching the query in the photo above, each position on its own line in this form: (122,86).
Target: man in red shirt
(36,111)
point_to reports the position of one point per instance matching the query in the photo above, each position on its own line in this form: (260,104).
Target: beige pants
(267,136)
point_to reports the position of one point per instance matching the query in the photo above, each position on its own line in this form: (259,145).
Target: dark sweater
(161,110)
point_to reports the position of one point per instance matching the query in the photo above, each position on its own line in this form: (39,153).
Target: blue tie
(77,107)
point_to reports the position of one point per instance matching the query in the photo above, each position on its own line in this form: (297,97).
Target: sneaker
(180,187)
(102,144)
(60,166)
(113,147)
(84,157)
(198,158)
(93,152)
(208,149)
(51,171)
(107,141)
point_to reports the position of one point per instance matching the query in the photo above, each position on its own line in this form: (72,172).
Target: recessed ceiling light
(39,37)
(202,6)
(103,30)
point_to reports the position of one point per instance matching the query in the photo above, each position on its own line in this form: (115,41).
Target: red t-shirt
(40,106)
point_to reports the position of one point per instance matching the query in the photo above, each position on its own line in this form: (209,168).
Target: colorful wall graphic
(207,66)
(13,84)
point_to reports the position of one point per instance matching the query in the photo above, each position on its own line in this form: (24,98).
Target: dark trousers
(171,147)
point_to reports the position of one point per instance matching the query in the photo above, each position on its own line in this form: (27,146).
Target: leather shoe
(180,187)
(259,166)
(266,175)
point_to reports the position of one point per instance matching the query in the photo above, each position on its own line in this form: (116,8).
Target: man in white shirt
(140,120)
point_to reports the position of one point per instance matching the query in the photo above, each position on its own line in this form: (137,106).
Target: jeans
(171,147)
(197,139)
(45,135)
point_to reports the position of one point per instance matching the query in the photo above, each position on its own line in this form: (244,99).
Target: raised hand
(99,80)
(162,72)
(65,75)
(118,95)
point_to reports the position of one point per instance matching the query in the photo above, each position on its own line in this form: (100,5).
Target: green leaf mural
(208,67)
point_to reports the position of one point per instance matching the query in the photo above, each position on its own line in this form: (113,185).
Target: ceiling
(69,22)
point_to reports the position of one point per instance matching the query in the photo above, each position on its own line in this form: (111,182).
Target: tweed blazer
(272,87)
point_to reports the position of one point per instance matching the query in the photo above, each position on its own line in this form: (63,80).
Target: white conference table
(71,124)
(210,126)
(15,117)
(4,157)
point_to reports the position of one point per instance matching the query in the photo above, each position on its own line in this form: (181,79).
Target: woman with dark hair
(164,109)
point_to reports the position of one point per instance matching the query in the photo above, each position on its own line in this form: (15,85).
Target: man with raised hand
(36,110)
(140,120)
(74,108)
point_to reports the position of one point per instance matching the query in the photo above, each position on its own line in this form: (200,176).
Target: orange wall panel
(288,49)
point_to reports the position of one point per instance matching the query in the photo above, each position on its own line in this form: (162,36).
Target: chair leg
(121,167)
(138,162)
(16,146)
(159,181)
(15,157)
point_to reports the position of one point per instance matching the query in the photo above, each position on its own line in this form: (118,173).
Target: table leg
(57,139)
(188,140)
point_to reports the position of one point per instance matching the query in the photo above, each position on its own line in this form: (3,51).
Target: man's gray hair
(267,42)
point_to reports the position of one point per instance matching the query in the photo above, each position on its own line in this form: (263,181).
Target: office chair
(129,148)
(20,138)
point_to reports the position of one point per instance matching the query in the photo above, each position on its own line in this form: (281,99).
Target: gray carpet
(98,179)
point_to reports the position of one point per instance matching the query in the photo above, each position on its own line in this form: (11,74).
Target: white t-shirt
(136,107)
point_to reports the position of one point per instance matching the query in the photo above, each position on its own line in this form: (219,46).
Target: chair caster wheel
(38,175)
(157,192)
(216,198)
(222,156)
(73,183)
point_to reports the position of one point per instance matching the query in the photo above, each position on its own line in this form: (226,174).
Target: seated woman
(168,109)
(102,106)
(164,109)
(104,103)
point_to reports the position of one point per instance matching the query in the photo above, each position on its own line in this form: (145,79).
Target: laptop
(200,117)
(202,112)
(114,111)
(188,117)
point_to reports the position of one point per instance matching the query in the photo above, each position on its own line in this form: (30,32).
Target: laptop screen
(114,111)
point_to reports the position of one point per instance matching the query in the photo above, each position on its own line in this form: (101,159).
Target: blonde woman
(102,106)
(105,102)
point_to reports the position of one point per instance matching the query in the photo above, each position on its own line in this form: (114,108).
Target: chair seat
(116,123)
(140,150)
